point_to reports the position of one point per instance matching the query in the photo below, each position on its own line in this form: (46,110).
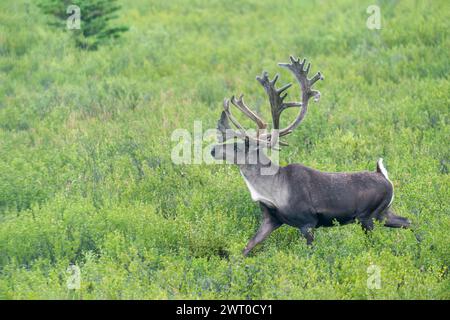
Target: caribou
(296,195)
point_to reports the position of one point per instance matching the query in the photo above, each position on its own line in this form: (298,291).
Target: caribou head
(297,195)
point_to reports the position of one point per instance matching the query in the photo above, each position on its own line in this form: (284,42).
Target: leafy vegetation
(86,176)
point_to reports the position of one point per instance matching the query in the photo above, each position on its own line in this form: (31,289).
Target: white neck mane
(255,194)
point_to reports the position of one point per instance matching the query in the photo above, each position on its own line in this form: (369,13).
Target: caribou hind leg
(380,213)
(367,224)
(394,221)
(308,233)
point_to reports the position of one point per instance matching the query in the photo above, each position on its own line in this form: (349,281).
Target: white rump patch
(385,174)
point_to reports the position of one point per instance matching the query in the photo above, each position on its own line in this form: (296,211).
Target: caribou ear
(222,126)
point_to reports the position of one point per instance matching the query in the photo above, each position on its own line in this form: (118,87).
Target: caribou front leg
(269,224)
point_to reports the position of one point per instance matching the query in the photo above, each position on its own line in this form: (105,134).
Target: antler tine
(275,98)
(226,108)
(277,104)
(228,133)
(301,74)
(240,104)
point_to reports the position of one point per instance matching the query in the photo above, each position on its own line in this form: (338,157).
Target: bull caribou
(295,194)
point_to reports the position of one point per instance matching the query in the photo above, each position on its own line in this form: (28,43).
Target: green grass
(86,176)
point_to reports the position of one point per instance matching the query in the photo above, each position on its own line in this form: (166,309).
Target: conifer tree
(95,16)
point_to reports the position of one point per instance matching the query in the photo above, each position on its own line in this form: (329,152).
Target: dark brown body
(323,197)
(306,198)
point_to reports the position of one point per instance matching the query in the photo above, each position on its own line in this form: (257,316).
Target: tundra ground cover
(86,176)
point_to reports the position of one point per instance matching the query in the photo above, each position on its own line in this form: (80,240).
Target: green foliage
(86,176)
(94,20)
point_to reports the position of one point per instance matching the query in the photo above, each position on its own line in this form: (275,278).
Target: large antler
(223,125)
(239,103)
(297,68)
(277,104)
